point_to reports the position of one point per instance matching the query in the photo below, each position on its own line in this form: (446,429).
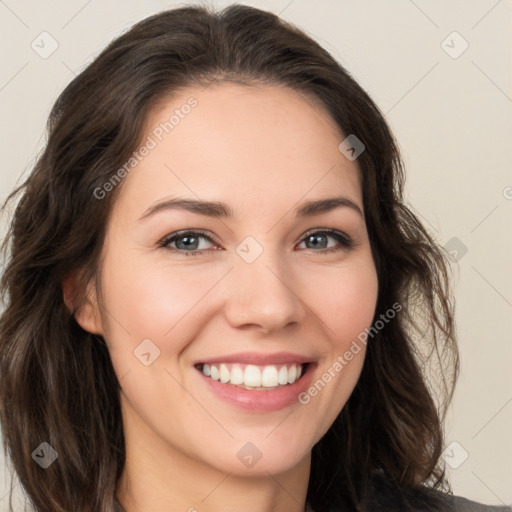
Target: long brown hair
(57,383)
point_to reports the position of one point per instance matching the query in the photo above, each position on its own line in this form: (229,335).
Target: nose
(260,295)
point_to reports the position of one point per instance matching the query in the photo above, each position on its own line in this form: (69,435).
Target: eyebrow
(217,209)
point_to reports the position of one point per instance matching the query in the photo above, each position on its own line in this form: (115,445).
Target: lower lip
(261,401)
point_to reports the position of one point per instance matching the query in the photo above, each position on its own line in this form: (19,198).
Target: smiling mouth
(254,377)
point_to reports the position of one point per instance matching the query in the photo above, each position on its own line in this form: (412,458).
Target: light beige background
(452,117)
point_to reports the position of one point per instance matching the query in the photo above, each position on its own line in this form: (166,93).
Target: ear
(82,305)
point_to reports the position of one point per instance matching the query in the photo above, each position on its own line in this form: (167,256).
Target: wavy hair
(57,383)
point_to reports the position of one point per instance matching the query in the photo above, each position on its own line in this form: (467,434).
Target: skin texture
(262,150)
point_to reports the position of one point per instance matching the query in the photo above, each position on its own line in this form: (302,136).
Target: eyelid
(345,241)
(328,231)
(177,234)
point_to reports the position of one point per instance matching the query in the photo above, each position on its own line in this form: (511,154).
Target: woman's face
(258,287)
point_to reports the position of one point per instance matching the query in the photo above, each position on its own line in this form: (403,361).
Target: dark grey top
(386,502)
(387,496)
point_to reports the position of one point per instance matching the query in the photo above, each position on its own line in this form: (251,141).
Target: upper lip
(257,358)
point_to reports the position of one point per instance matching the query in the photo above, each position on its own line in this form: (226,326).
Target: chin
(246,459)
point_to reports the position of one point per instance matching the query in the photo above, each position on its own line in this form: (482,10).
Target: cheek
(150,300)
(345,301)
(160,302)
(346,306)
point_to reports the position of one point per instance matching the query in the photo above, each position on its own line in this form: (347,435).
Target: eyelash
(344,240)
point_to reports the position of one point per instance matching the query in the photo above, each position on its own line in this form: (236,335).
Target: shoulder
(387,496)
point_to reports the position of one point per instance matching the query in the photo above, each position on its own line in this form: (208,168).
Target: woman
(268,372)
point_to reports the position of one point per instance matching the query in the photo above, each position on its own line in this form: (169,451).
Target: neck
(160,477)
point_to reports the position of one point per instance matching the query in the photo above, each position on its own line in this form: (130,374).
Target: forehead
(237,143)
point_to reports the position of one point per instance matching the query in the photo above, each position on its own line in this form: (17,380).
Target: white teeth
(269,377)
(237,375)
(224,373)
(214,373)
(253,376)
(292,374)
(282,378)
